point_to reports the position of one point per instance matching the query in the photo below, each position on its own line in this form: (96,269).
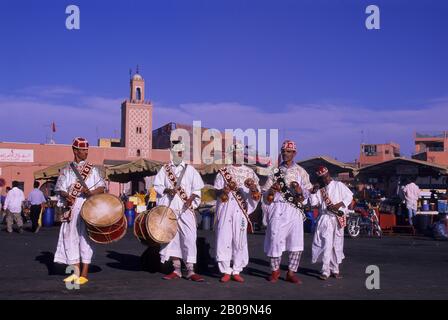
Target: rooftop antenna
(137,71)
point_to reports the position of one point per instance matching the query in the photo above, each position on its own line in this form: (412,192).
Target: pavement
(409,268)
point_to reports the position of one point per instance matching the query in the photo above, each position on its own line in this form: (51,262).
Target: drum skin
(157,226)
(104,218)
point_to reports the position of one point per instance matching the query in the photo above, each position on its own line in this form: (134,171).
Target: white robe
(73,245)
(231,224)
(284,222)
(184,243)
(328,242)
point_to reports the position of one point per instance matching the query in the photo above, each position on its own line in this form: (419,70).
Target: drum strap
(81,176)
(342,221)
(75,191)
(176,182)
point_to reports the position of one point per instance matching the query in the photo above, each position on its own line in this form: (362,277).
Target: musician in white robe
(232,214)
(283,219)
(73,245)
(328,242)
(183,245)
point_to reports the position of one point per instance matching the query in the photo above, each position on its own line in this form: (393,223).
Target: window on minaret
(138,130)
(138,94)
(138,152)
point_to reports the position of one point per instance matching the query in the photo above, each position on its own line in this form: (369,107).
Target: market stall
(334,166)
(343,171)
(389,176)
(134,170)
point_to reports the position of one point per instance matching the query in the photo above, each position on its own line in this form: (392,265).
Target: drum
(157,226)
(104,218)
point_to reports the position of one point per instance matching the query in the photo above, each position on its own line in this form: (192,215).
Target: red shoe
(274,276)
(238,278)
(293,278)
(196,278)
(173,275)
(225,278)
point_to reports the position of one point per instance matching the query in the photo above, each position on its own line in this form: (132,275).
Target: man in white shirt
(13,207)
(239,192)
(183,245)
(73,246)
(37,201)
(286,189)
(411,194)
(333,199)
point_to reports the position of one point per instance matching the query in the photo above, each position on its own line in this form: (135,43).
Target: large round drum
(157,226)
(104,218)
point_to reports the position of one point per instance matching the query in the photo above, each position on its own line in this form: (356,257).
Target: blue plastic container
(130,216)
(310,223)
(206,220)
(425,206)
(48,217)
(442,206)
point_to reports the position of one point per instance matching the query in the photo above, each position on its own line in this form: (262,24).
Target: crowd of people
(16,208)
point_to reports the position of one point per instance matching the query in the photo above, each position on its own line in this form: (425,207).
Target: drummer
(73,245)
(182,201)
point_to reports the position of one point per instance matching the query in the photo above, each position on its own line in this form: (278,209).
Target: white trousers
(73,244)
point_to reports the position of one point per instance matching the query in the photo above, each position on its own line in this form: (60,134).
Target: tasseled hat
(289,145)
(321,171)
(80,143)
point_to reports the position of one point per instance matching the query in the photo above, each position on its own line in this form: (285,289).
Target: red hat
(321,171)
(289,145)
(80,143)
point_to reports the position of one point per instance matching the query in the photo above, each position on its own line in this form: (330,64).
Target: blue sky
(310,68)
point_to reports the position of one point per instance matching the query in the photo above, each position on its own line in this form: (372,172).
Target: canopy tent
(52,172)
(389,175)
(402,167)
(334,166)
(134,170)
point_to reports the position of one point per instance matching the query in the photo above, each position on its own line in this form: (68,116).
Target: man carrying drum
(240,194)
(178,186)
(73,245)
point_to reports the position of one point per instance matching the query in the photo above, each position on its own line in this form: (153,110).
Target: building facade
(376,153)
(431,147)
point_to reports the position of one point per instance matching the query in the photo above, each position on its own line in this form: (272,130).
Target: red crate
(387,220)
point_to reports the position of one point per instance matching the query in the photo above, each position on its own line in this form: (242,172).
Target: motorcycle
(363,220)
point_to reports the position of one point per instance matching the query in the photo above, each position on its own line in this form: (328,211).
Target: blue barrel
(442,206)
(48,217)
(206,220)
(425,206)
(130,216)
(310,223)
